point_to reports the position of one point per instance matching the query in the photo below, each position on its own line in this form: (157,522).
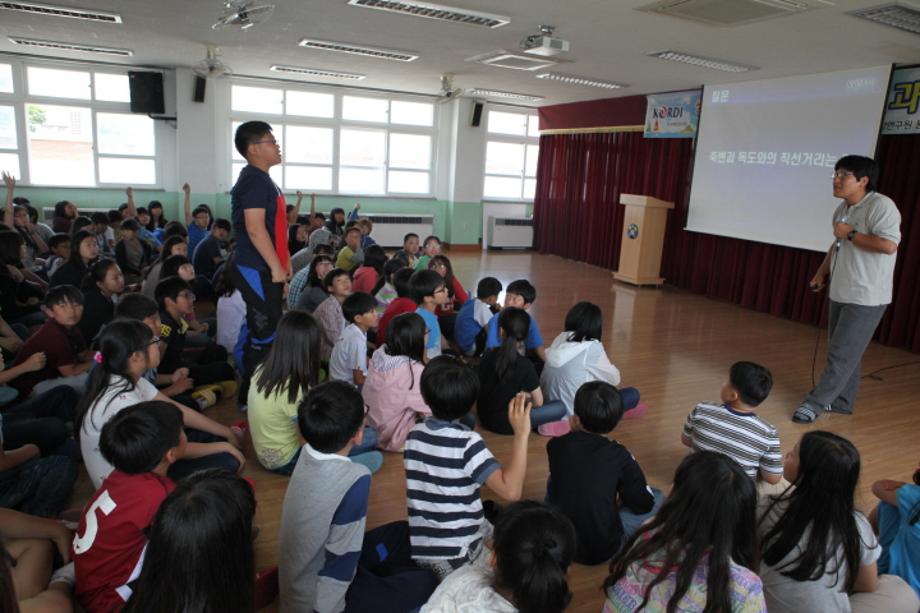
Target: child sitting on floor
(474,316)
(896,519)
(348,361)
(141,442)
(609,502)
(327,563)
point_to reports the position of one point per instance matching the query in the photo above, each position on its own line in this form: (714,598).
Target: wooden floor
(676,347)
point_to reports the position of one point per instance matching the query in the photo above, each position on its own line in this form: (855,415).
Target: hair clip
(98,357)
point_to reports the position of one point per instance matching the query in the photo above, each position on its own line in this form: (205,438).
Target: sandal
(805,414)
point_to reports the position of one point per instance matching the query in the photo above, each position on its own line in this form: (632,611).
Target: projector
(544,43)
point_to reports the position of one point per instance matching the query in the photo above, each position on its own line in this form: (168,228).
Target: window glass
(533,154)
(530,188)
(408,182)
(507,123)
(9,162)
(362,147)
(58,83)
(502,187)
(504,158)
(533,126)
(257,99)
(410,151)
(309,145)
(365,109)
(310,104)
(125,134)
(412,113)
(6,79)
(361,180)
(7,127)
(308,177)
(127,171)
(60,145)
(112,87)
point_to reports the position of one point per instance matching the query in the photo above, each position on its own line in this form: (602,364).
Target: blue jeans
(632,521)
(38,487)
(630,397)
(368,444)
(183,468)
(554,410)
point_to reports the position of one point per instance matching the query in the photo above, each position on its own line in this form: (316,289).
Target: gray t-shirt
(348,354)
(785,594)
(859,276)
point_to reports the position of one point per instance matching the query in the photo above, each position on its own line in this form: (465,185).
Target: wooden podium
(643,238)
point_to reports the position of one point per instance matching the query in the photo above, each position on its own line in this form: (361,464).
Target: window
(342,143)
(78,131)
(512,150)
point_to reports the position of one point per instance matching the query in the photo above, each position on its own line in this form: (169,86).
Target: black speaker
(477,114)
(146,92)
(200,84)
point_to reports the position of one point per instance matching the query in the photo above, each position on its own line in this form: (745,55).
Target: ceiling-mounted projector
(544,43)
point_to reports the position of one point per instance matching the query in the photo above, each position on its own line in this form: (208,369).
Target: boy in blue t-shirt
(474,316)
(427,289)
(197,220)
(520,294)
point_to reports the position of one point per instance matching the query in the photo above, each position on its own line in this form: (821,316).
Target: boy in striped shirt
(446,465)
(732,428)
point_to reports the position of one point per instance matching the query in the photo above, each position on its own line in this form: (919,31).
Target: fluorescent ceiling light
(318,72)
(496,93)
(895,15)
(363,50)
(702,62)
(435,11)
(60,46)
(501,58)
(60,11)
(576,80)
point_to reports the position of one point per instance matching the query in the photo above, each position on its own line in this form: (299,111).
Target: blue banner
(674,115)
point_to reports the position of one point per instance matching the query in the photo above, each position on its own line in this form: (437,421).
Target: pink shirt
(392,406)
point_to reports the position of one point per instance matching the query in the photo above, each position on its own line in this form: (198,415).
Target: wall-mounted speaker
(146,92)
(200,85)
(477,114)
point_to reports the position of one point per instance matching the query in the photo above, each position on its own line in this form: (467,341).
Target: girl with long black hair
(699,553)
(819,552)
(504,371)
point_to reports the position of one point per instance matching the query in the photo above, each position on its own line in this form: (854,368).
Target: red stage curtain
(581,176)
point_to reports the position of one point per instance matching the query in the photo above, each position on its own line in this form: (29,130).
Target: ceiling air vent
(727,12)
(60,11)
(894,15)
(366,51)
(515,61)
(435,11)
(50,44)
(318,72)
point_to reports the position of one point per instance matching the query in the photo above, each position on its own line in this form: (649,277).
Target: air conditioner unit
(510,233)
(48,212)
(390,228)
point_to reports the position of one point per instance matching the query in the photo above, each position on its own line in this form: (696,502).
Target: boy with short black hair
(428,290)
(409,249)
(105,236)
(67,358)
(732,428)
(348,361)
(403,303)
(328,313)
(520,294)
(197,220)
(141,442)
(351,255)
(474,316)
(210,252)
(327,563)
(611,500)
(176,302)
(447,464)
(131,253)
(59,244)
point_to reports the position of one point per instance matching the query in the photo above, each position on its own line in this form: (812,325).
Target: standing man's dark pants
(263,312)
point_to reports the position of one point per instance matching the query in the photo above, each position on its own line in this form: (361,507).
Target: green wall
(458,223)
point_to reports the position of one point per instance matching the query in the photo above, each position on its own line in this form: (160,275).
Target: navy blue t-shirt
(253,190)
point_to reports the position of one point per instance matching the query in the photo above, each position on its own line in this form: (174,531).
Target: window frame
(337,123)
(20,99)
(526,140)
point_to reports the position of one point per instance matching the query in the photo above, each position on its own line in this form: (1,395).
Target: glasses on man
(270,142)
(842,174)
(187,295)
(440,289)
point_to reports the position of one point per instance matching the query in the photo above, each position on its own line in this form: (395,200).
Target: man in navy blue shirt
(260,265)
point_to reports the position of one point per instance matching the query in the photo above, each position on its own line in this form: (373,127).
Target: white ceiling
(609,40)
